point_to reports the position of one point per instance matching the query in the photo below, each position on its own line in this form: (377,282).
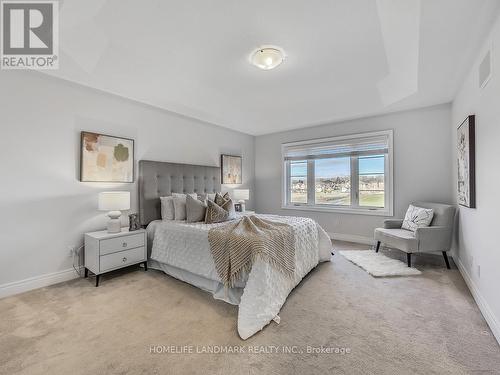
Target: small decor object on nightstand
(114,202)
(237,207)
(106,252)
(241,195)
(134,223)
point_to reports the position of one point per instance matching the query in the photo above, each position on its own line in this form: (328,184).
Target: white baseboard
(352,238)
(31,283)
(485,309)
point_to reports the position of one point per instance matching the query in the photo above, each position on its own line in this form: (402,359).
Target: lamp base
(114,222)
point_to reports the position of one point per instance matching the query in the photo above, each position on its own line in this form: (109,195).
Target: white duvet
(185,246)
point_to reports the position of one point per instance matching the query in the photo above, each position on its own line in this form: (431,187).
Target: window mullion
(288,183)
(311,185)
(354,181)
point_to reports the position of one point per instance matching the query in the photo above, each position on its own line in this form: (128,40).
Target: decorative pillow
(194,195)
(215,213)
(219,199)
(210,196)
(195,209)
(179,201)
(417,217)
(228,205)
(167,208)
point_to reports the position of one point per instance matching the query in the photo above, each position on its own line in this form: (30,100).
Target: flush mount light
(267,58)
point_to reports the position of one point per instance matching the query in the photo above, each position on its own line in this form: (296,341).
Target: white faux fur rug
(377,264)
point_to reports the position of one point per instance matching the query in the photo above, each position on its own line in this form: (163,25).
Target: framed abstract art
(230,169)
(466,161)
(105,158)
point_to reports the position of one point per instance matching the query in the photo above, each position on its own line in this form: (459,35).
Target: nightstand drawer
(112,245)
(122,258)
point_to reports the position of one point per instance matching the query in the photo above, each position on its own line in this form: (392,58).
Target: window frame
(387,210)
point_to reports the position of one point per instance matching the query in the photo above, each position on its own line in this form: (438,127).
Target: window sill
(339,210)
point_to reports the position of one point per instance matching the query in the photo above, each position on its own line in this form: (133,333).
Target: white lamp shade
(241,194)
(114,200)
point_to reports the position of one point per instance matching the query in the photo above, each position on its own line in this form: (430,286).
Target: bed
(182,249)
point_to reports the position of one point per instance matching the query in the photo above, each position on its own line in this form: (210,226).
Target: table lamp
(114,202)
(241,195)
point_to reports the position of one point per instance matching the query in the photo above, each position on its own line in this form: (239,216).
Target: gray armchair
(434,238)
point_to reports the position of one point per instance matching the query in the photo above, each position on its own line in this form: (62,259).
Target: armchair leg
(408,259)
(445,256)
(378,247)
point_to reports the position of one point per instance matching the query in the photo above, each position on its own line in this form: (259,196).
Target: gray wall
(422,165)
(477,243)
(45,209)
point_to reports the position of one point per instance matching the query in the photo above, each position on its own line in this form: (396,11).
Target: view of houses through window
(333,181)
(351,174)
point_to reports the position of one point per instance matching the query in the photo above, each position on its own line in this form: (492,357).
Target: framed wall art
(230,169)
(105,158)
(466,160)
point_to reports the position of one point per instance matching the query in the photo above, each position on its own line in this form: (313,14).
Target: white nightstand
(106,252)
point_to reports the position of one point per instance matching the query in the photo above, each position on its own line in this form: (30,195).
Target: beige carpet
(420,325)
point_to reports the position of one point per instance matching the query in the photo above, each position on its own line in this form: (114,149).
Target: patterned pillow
(417,217)
(215,213)
(228,205)
(219,199)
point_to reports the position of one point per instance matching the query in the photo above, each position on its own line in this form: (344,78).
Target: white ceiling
(346,58)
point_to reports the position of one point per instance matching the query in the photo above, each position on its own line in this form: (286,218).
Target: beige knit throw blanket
(236,245)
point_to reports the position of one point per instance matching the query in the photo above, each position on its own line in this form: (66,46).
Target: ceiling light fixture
(267,58)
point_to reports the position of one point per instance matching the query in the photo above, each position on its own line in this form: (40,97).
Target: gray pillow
(195,210)
(215,213)
(167,208)
(194,195)
(180,205)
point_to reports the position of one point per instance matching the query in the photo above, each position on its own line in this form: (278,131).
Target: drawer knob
(124,259)
(124,244)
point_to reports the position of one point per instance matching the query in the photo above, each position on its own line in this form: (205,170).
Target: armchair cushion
(401,239)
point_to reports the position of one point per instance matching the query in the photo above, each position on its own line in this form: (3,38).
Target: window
(298,181)
(345,174)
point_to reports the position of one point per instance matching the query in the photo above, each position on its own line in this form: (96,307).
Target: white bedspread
(185,246)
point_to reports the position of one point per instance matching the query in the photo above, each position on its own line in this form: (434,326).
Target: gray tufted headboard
(159,179)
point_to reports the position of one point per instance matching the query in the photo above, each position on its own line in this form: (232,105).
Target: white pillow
(167,208)
(417,217)
(179,201)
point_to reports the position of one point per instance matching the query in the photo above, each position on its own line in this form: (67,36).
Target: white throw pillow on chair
(417,217)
